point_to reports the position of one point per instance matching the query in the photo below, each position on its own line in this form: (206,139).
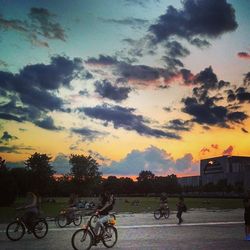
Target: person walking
(181,207)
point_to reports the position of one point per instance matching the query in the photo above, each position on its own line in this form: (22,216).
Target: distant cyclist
(107,204)
(72,207)
(163,201)
(31,208)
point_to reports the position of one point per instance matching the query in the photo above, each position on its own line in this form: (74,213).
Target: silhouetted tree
(145,181)
(41,173)
(85,173)
(7,185)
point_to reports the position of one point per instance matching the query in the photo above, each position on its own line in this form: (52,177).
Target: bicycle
(162,212)
(94,218)
(63,219)
(86,237)
(16,229)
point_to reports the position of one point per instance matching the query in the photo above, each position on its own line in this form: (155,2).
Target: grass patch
(127,205)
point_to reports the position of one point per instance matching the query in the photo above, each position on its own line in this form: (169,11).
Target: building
(234,169)
(191,181)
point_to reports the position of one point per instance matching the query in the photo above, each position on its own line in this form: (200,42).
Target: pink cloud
(244,55)
(228,151)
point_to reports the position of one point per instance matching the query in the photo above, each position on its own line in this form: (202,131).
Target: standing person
(246,203)
(181,207)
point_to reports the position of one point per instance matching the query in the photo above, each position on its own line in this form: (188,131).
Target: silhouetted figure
(72,207)
(181,207)
(31,208)
(246,203)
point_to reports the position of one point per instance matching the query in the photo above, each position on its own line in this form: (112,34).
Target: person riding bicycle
(31,208)
(107,204)
(163,201)
(72,207)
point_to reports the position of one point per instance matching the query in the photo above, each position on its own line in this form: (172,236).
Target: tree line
(85,179)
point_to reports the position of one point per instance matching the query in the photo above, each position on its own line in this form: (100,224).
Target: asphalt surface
(202,229)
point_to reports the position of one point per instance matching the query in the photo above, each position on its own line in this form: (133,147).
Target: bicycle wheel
(93,221)
(166,213)
(15,231)
(62,220)
(157,214)
(110,236)
(77,220)
(40,229)
(82,239)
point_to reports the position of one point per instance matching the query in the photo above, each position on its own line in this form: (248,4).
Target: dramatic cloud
(228,151)
(136,74)
(44,24)
(175,49)
(39,25)
(179,125)
(153,159)
(241,94)
(47,123)
(7,137)
(125,118)
(107,90)
(244,55)
(197,19)
(17,149)
(88,134)
(32,91)
(204,150)
(208,113)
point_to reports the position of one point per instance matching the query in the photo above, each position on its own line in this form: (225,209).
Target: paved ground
(202,229)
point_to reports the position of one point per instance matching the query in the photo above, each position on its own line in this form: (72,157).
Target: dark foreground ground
(202,229)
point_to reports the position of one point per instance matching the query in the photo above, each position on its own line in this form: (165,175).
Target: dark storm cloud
(88,134)
(32,91)
(175,49)
(241,95)
(207,78)
(198,18)
(15,149)
(208,113)
(8,137)
(187,76)
(102,60)
(179,125)
(129,21)
(47,123)
(107,90)
(200,43)
(139,74)
(125,118)
(44,24)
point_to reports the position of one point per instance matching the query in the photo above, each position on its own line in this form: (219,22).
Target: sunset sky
(138,84)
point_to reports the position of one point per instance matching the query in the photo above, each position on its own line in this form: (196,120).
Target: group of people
(181,206)
(106,204)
